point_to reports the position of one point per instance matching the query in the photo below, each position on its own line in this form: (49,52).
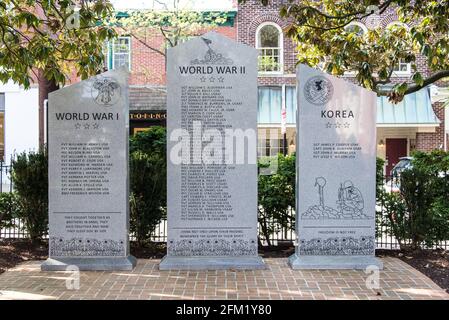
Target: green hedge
(148,178)
(30,180)
(418,215)
(9,207)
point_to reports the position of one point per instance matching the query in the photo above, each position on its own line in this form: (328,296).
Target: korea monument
(88,175)
(212,160)
(336,173)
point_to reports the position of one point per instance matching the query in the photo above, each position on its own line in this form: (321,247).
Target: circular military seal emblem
(318,90)
(106,91)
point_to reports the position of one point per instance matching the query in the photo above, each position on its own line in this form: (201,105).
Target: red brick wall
(148,66)
(250,15)
(430,141)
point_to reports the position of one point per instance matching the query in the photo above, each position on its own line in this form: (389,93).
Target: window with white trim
(119,53)
(401,68)
(269,42)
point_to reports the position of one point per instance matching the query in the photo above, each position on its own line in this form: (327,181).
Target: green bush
(379,175)
(276,196)
(153,140)
(418,196)
(379,193)
(419,214)
(30,180)
(9,207)
(393,218)
(148,176)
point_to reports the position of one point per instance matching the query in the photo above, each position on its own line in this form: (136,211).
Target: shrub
(418,196)
(8,209)
(276,194)
(419,214)
(148,176)
(150,141)
(379,175)
(30,179)
(394,217)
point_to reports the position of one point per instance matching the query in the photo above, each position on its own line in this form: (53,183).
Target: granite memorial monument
(336,168)
(88,175)
(212,160)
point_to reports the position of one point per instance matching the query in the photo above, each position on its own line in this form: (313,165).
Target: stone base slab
(211,263)
(338,262)
(90,264)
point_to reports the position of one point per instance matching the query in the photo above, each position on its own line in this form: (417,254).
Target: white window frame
(408,72)
(400,73)
(111,53)
(281,47)
(365,31)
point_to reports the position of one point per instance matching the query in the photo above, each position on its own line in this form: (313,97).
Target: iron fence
(5,177)
(283,233)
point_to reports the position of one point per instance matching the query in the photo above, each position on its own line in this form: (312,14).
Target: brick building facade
(261,27)
(398,133)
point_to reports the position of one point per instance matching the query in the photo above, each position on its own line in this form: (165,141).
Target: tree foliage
(276,196)
(148,181)
(319,29)
(9,207)
(418,215)
(174,24)
(42,34)
(30,180)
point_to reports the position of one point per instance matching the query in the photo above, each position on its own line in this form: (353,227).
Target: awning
(147,98)
(415,110)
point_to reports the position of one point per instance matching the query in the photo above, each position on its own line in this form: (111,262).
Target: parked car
(403,164)
(393,184)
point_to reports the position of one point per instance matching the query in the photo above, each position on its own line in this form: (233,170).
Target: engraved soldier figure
(350,199)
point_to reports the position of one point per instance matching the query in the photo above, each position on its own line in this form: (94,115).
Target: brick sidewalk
(397,281)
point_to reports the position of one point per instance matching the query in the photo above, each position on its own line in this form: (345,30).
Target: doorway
(395,149)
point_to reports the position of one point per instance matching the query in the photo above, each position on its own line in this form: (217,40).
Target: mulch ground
(13,252)
(433,263)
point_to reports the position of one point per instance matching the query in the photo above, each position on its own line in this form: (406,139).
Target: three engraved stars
(212,79)
(87,126)
(338,125)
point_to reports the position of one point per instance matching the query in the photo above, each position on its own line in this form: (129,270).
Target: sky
(203,5)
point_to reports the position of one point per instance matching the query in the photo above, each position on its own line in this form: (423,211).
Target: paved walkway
(397,281)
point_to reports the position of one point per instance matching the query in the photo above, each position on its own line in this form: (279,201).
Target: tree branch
(414,88)
(381,7)
(387,80)
(9,48)
(143,42)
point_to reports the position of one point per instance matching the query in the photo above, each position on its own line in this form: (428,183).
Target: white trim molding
(280,47)
(407,72)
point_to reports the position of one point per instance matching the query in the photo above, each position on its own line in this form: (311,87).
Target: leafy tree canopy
(174,25)
(320,31)
(53,36)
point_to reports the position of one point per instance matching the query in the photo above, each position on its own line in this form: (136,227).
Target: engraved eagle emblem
(107,92)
